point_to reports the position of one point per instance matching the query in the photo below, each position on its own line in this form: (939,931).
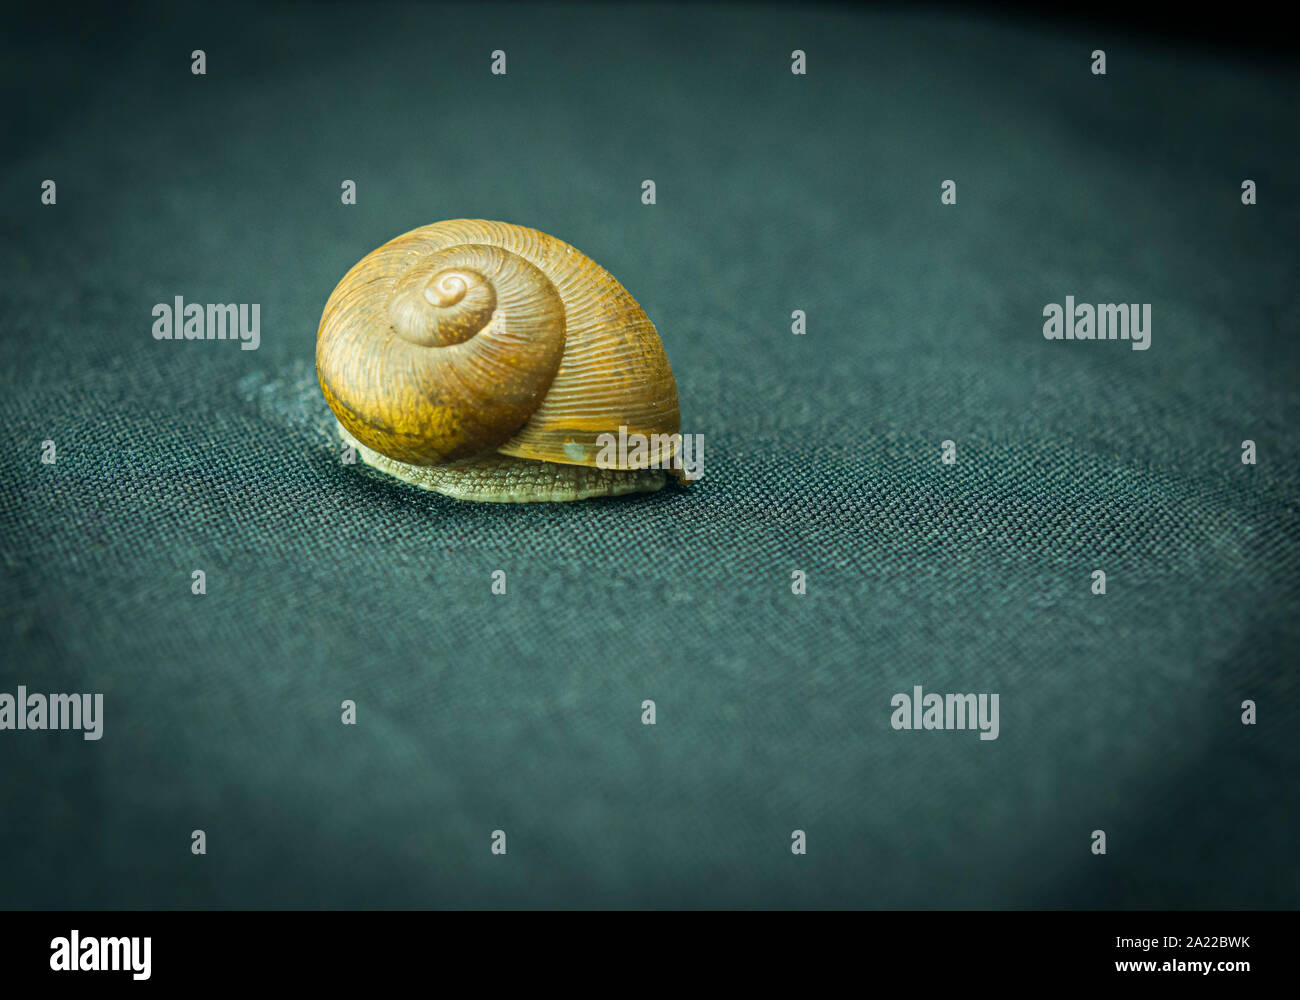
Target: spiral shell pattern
(469,337)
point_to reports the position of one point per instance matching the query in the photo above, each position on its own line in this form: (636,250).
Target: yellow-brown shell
(469,338)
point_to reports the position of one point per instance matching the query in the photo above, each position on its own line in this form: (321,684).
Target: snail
(489,361)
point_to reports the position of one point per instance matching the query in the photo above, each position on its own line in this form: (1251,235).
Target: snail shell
(484,360)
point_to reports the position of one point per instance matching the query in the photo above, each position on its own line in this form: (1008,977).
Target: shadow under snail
(489,361)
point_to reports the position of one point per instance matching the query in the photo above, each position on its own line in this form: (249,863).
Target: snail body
(486,361)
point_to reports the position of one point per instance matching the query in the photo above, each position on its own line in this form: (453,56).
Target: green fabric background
(775,193)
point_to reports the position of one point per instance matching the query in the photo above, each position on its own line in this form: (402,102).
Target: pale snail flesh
(485,361)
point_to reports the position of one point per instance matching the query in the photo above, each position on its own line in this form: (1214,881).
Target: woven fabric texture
(522,712)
